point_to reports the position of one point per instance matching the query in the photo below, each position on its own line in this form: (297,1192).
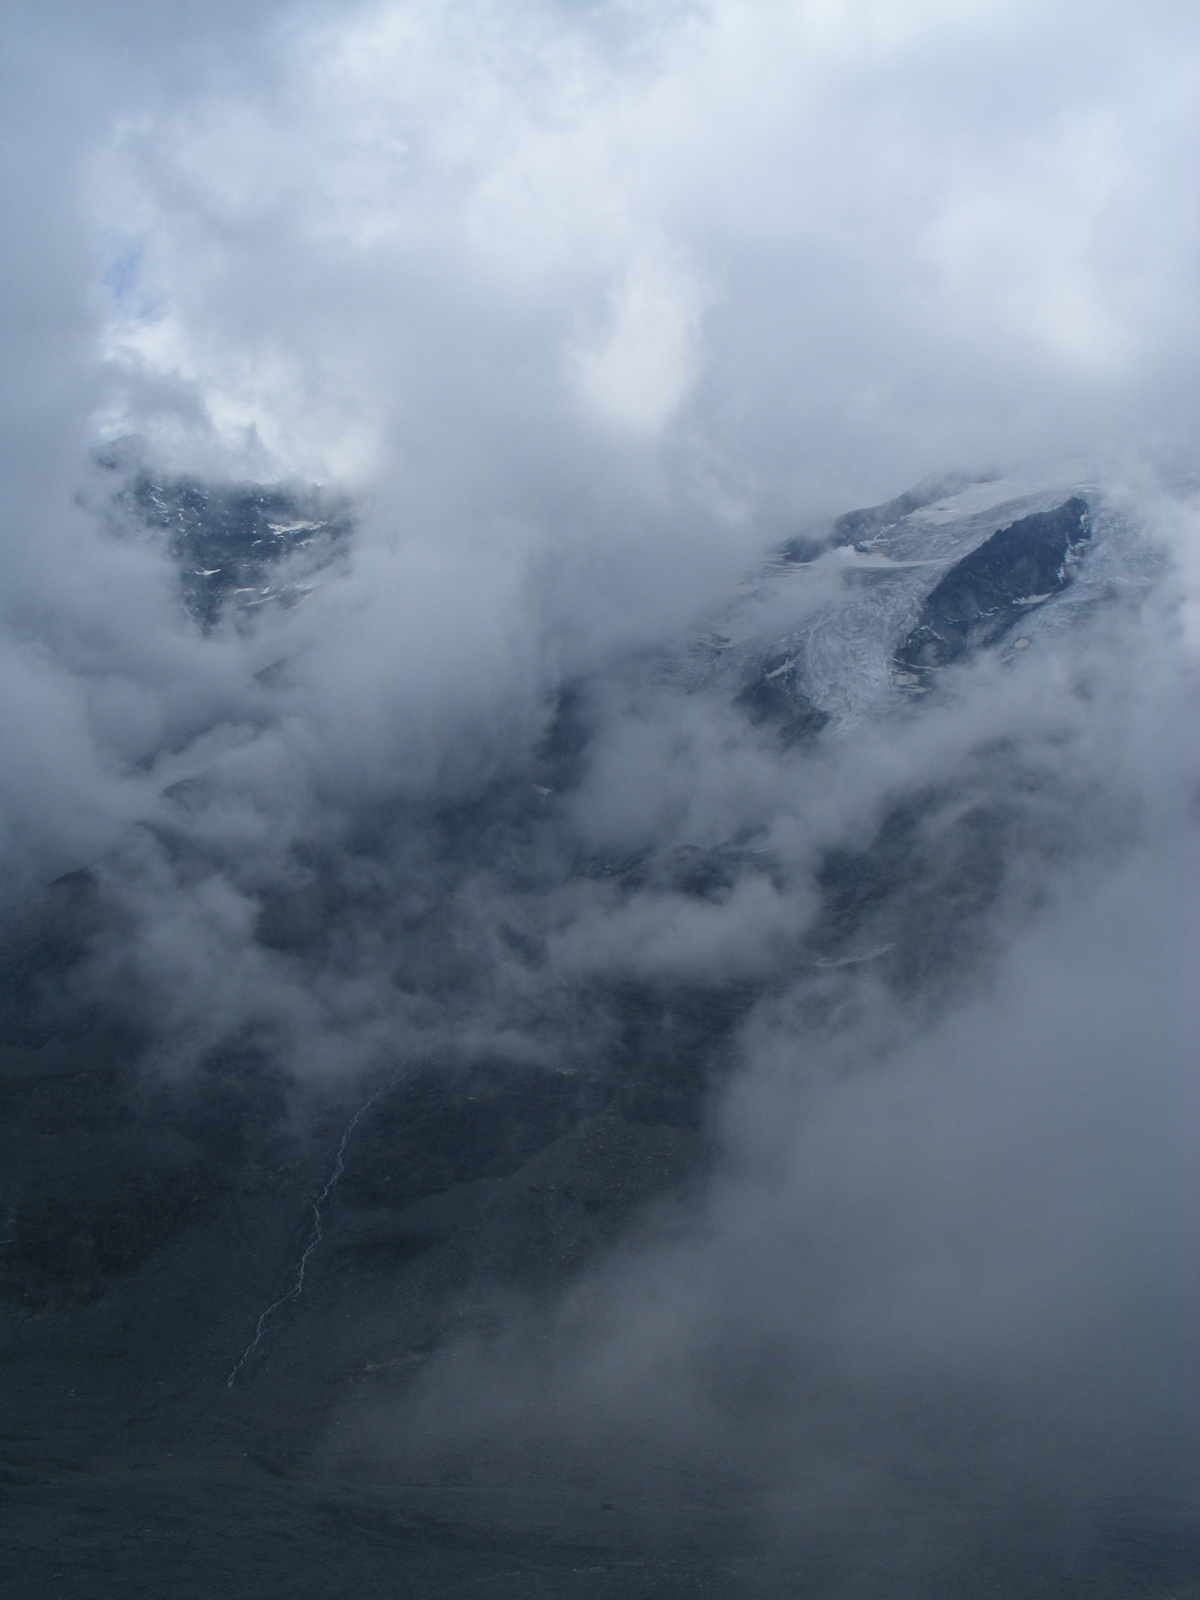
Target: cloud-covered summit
(587,308)
(687,975)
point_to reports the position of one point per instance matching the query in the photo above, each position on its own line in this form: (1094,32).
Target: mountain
(215,1277)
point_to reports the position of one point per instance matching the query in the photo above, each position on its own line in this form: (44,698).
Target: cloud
(938,217)
(941,1279)
(639,370)
(587,308)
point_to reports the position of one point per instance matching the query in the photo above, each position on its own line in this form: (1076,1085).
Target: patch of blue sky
(123,274)
(123,279)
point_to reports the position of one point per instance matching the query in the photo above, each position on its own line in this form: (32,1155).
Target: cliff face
(986,594)
(236,547)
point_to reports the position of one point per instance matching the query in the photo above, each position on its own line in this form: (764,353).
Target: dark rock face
(857,527)
(934,877)
(861,526)
(774,697)
(670,1050)
(40,941)
(986,593)
(94,1208)
(560,755)
(441,1127)
(236,545)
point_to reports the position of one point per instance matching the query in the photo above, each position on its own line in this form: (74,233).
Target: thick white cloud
(801,235)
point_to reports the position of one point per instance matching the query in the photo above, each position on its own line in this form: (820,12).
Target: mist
(548,730)
(587,312)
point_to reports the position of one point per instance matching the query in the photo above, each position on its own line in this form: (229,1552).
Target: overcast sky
(834,245)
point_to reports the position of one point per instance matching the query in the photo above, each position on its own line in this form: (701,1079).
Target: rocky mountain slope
(210,1277)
